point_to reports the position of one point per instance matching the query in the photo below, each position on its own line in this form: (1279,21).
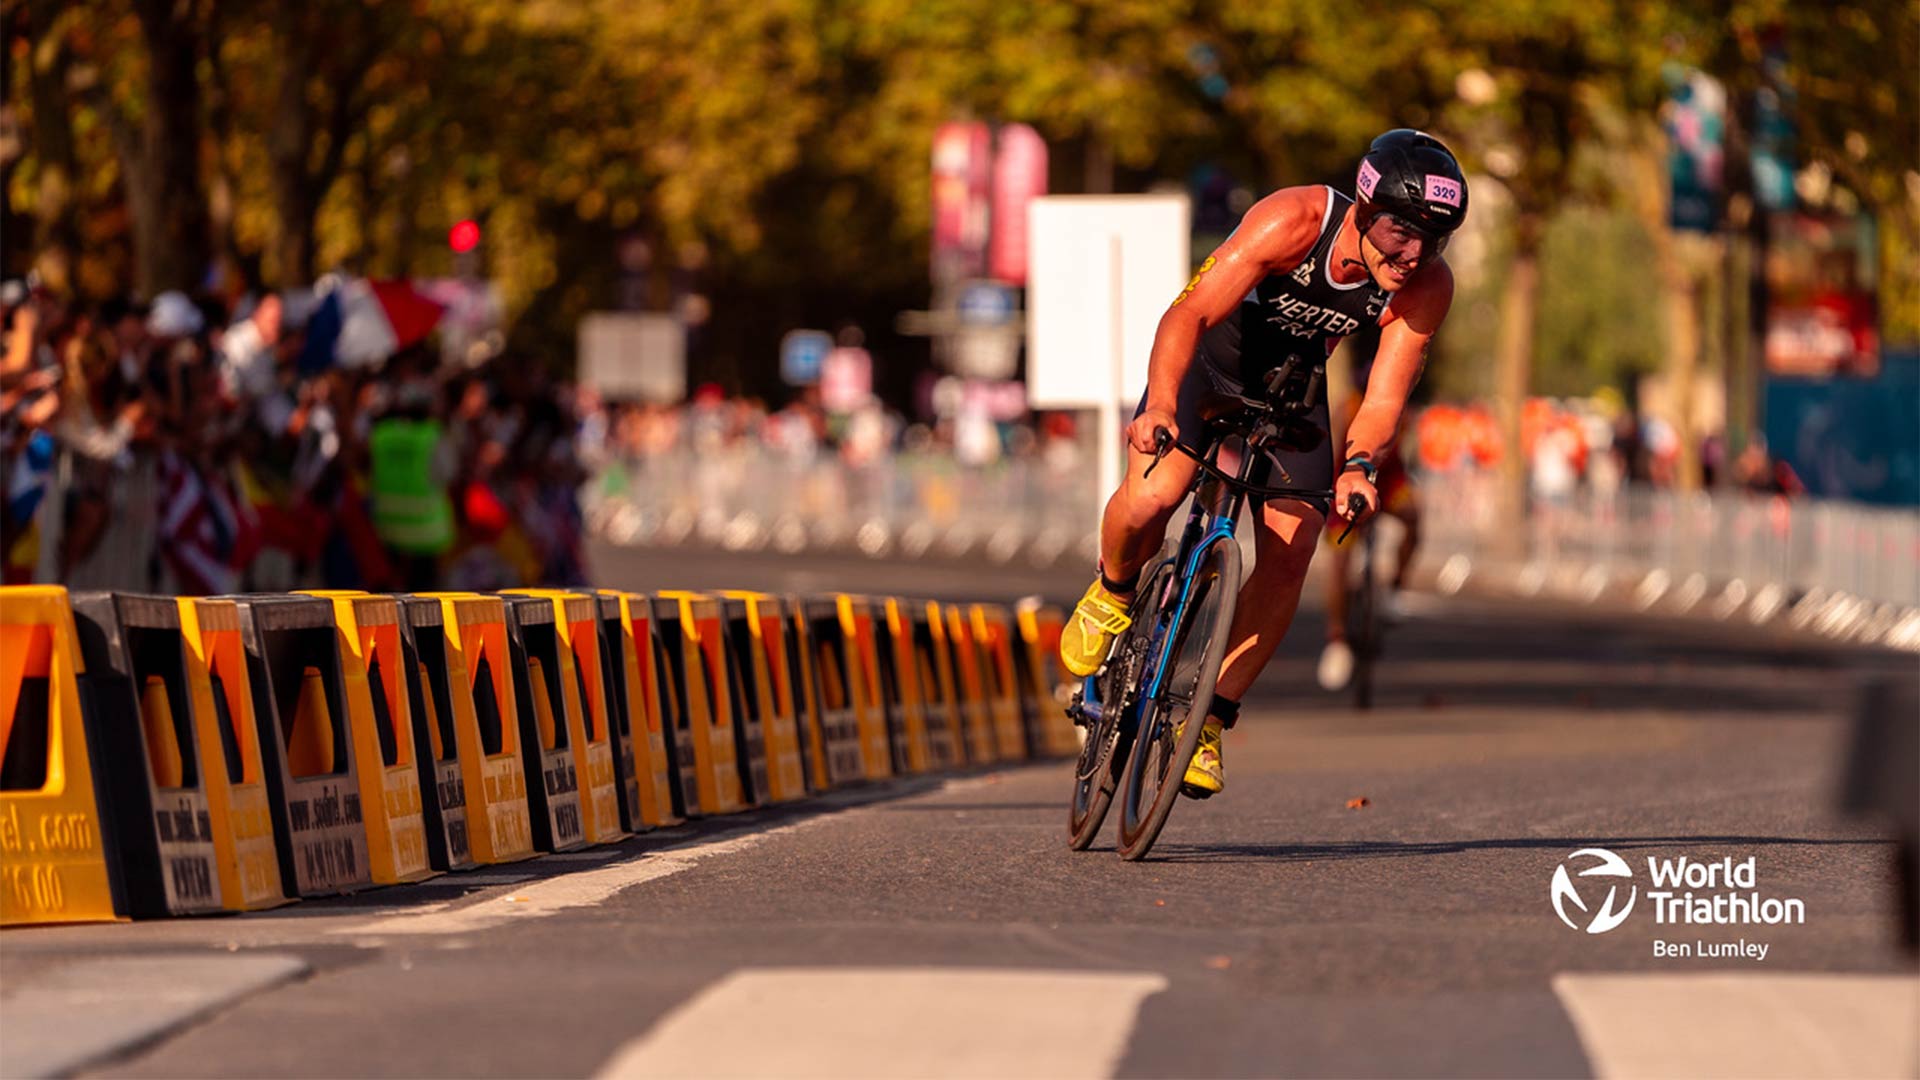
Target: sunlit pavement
(1370,896)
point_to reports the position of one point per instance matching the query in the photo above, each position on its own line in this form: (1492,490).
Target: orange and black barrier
(59,865)
(301,715)
(443,785)
(140,707)
(900,691)
(970,681)
(373,672)
(840,687)
(694,633)
(630,657)
(993,634)
(1049,730)
(468,655)
(235,772)
(808,710)
(727,656)
(168,756)
(584,693)
(926,632)
(548,729)
(756,629)
(869,703)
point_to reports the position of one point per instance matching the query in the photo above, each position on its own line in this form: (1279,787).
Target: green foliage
(782,144)
(1600,315)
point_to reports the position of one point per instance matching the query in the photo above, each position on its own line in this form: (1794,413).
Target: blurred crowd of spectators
(190,445)
(194,445)
(1591,445)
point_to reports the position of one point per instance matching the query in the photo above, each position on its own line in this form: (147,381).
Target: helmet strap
(1359,238)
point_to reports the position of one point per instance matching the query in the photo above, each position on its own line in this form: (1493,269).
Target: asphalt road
(942,926)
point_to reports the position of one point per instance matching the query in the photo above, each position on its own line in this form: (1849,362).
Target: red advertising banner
(962,153)
(1019,176)
(1822,315)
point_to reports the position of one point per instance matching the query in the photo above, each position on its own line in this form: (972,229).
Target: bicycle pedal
(1192,792)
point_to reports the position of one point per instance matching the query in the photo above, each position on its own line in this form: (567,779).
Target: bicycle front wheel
(1171,720)
(1103,756)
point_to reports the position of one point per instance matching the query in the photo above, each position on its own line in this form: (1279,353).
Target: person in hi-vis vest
(412,470)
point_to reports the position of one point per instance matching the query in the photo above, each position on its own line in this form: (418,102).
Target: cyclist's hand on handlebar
(1354,499)
(1140,433)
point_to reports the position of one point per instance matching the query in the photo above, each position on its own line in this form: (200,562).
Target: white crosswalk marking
(895,1022)
(1732,1025)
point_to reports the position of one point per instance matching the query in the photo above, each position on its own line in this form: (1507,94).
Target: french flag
(360,323)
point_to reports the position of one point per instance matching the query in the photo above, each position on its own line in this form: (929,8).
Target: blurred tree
(143,83)
(774,154)
(1532,73)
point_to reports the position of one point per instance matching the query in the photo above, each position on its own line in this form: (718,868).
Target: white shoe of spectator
(1336,666)
(1393,607)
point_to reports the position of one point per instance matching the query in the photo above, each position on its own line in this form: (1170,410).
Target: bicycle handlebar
(1356,509)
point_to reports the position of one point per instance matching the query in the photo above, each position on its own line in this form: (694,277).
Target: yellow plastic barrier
(373,671)
(901,687)
(1048,728)
(630,650)
(548,728)
(228,737)
(804,659)
(939,693)
(993,632)
(300,712)
(970,679)
(141,718)
(756,628)
(55,866)
(443,784)
(863,670)
(468,656)
(694,633)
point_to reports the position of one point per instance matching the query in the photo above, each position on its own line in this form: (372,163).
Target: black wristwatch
(1366,466)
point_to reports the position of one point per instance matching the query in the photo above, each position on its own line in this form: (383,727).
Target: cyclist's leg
(1131,531)
(1284,543)
(1135,522)
(1283,548)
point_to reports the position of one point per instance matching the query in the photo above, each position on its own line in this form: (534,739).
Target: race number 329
(1442,190)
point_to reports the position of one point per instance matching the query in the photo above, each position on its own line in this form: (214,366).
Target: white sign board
(1103,269)
(634,355)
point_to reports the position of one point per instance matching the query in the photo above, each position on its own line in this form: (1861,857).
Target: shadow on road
(1390,849)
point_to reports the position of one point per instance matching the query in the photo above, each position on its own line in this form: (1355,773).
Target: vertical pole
(1112,454)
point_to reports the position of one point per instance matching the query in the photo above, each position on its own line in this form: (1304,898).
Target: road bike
(1143,710)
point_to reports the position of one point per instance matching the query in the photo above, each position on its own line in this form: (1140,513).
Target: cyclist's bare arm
(1276,234)
(1406,328)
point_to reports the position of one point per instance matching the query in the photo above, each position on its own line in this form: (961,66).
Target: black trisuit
(1299,313)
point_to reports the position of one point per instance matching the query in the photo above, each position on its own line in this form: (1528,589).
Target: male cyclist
(1306,267)
(1398,498)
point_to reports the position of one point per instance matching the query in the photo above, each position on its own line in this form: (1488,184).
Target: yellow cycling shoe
(1207,773)
(1100,617)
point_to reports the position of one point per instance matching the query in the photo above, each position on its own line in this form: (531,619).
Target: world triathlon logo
(1565,893)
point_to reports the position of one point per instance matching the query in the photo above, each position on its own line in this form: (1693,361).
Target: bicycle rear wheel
(1170,722)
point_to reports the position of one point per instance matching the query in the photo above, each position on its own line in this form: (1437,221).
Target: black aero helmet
(1413,176)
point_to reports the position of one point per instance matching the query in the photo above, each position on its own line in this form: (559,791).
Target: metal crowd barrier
(913,505)
(1842,569)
